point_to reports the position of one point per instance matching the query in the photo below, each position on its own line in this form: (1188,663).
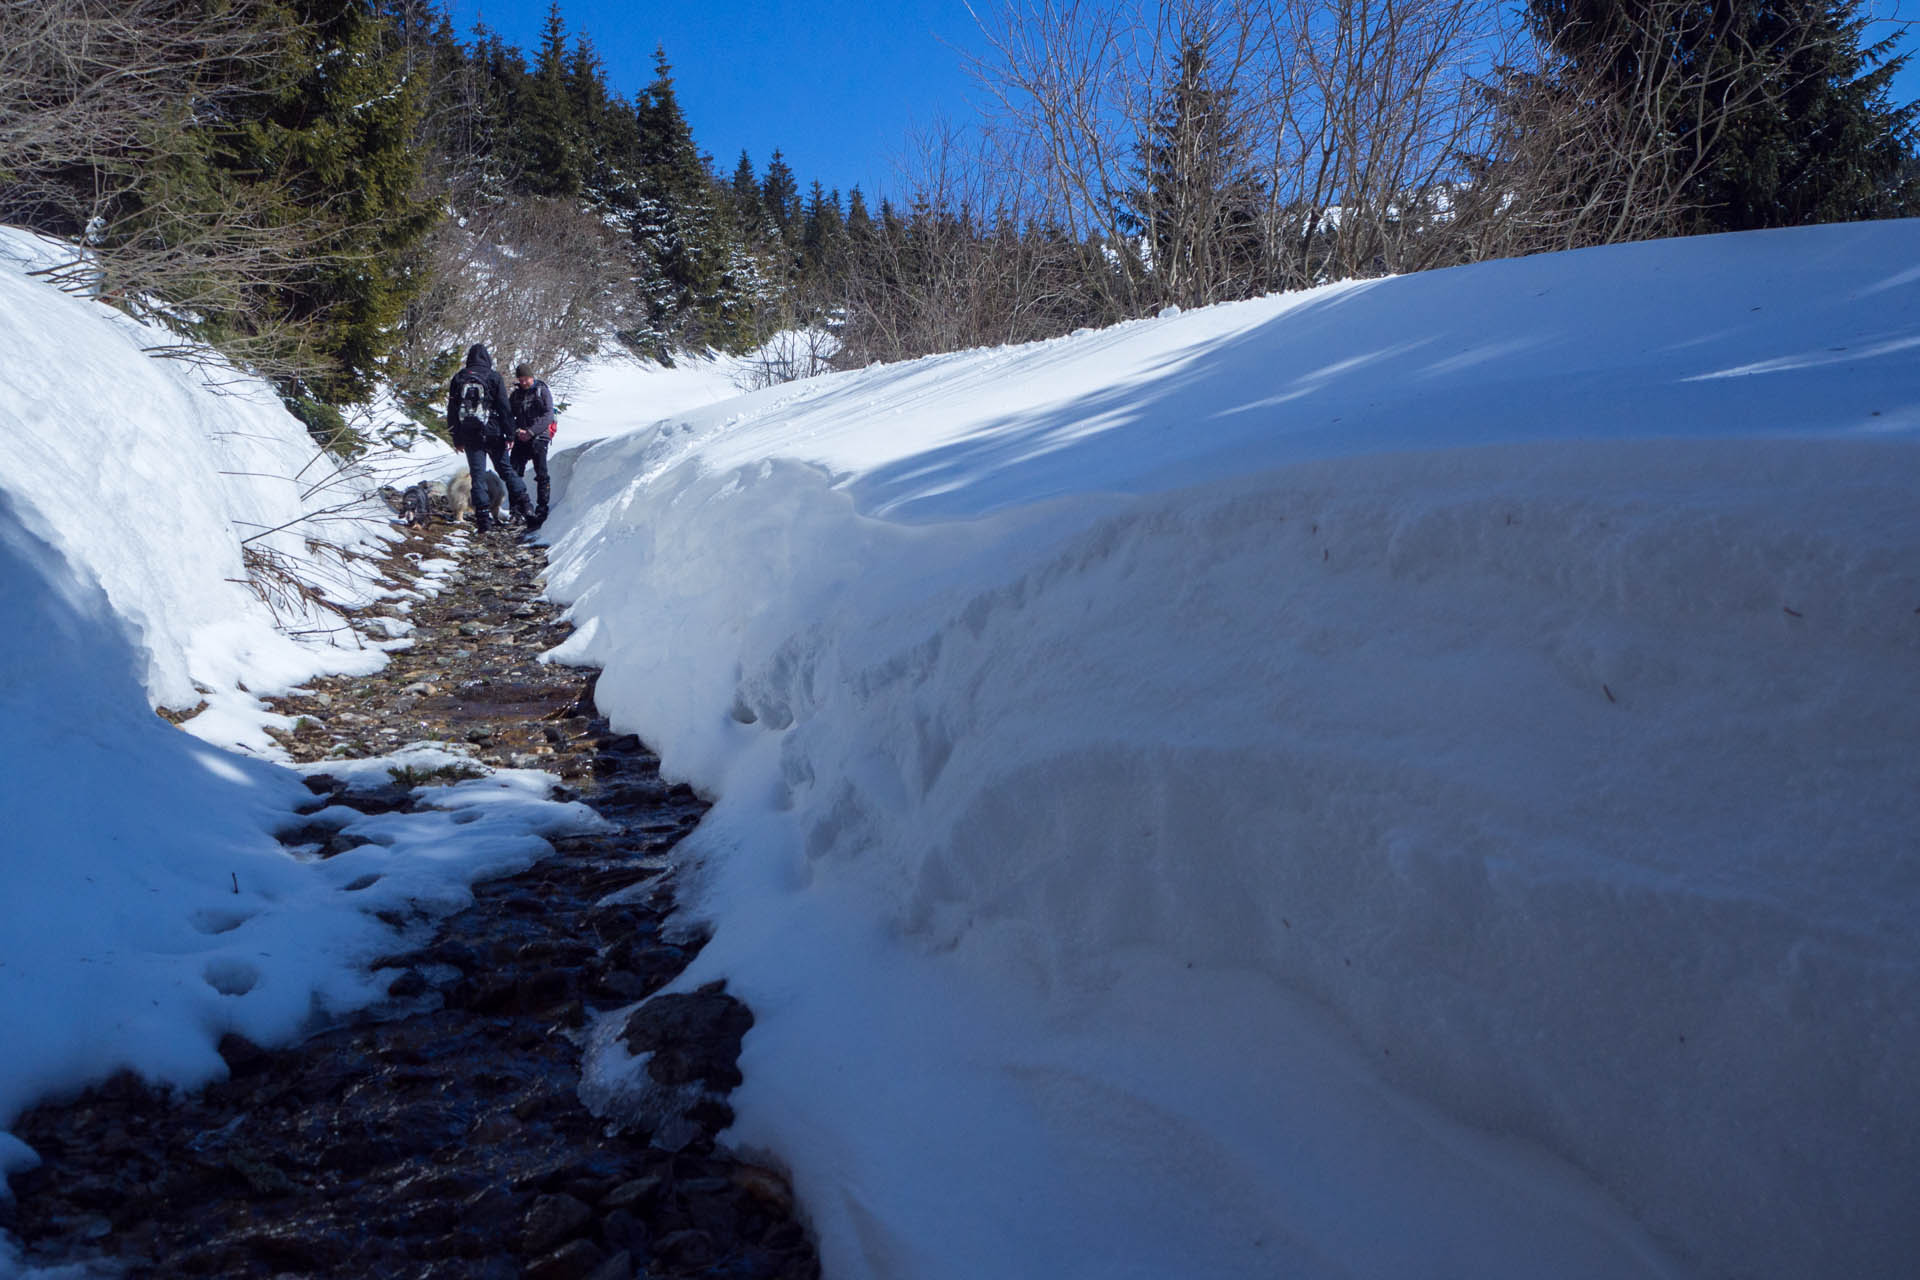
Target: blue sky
(835,86)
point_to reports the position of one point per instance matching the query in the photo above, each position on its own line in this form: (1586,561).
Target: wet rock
(636,1192)
(765,1186)
(617,1267)
(295,1250)
(389,798)
(576,1260)
(690,1248)
(553,1219)
(694,1037)
(242,1056)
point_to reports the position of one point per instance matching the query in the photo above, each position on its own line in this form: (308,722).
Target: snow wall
(1413,778)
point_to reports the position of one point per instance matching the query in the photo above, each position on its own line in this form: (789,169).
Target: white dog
(460,495)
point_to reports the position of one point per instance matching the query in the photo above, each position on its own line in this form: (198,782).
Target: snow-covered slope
(1414,778)
(140,470)
(609,396)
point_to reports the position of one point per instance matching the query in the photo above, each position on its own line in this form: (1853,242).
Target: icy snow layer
(1410,779)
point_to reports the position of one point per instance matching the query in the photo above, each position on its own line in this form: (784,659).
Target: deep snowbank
(138,470)
(1413,778)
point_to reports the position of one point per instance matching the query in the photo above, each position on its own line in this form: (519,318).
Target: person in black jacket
(534,424)
(477,414)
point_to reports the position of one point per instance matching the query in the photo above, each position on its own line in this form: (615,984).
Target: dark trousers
(477,455)
(534,450)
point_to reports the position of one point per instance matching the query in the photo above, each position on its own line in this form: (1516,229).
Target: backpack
(475,406)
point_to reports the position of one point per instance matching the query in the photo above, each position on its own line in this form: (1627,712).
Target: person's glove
(523,434)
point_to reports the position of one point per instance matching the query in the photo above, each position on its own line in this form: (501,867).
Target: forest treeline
(340,192)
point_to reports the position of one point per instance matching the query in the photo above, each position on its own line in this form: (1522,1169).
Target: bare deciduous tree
(1345,121)
(968,264)
(1612,147)
(534,279)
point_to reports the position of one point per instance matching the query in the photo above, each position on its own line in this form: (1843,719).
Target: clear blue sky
(835,86)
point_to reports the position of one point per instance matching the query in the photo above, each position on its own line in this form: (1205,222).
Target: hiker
(534,425)
(477,415)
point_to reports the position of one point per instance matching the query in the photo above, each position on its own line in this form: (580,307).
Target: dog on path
(416,505)
(460,495)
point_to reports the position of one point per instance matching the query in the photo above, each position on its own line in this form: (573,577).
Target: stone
(690,1248)
(637,1191)
(765,1186)
(694,1037)
(617,1267)
(551,1220)
(242,1056)
(576,1260)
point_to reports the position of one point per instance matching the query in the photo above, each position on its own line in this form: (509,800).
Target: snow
(149,909)
(611,395)
(1408,779)
(1411,778)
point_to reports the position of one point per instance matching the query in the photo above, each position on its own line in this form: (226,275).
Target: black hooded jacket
(494,393)
(532,409)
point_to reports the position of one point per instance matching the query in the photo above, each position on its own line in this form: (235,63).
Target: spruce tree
(339,130)
(780,197)
(1771,112)
(694,276)
(823,232)
(609,135)
(859,221)
(1196,202)
(546,132)
(749,215)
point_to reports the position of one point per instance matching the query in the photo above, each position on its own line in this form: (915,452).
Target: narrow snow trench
(441,1132)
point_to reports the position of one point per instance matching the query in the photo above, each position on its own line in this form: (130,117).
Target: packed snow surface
(1415,778)
(608,396)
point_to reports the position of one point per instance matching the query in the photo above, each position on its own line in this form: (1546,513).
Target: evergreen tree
(546,132)
(694,277)
(609,132)
(823,232)
(859,221)
(491,145)
(780,197)
(1195,206)
(340,130)
(749,215)
(1773,114)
